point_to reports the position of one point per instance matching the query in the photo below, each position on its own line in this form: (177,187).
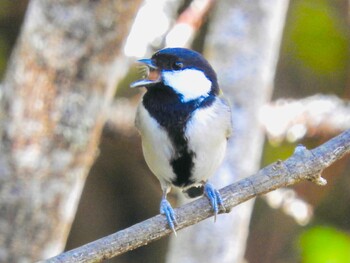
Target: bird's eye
(177,65)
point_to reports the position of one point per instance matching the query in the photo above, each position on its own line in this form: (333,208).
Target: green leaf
(317,37)
(324,245)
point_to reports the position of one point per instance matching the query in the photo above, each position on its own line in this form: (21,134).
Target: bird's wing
(227,111)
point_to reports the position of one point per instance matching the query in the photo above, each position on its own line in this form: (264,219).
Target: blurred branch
(147,32)
(121,117)
(291,204)
(59,81)
(315,115)
(302,165)
(188,23)
(174,30)
(283,119)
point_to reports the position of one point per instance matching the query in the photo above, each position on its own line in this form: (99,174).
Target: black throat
(166,107)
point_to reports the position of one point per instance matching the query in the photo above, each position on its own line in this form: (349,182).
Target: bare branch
(302,165)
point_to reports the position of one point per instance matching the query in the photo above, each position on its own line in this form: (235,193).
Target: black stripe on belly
(182,163)
(165,106)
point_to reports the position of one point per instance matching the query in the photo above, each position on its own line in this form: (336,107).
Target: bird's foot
(214,199)
(168,211)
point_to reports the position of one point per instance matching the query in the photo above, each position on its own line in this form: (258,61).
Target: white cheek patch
(190,83)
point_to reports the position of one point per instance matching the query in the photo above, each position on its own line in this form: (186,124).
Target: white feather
(156,145)
(190,83)
(207,133)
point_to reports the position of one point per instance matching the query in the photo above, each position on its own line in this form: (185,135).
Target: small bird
(184,124)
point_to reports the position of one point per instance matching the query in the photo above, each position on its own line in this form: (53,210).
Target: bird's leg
(214,198)
(167,210)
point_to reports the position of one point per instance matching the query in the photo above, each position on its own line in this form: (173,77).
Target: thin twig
(302,165)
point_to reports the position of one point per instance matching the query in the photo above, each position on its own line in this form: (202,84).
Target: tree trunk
(60,79)
(243,47)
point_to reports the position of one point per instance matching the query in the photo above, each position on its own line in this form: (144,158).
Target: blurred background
(313,59)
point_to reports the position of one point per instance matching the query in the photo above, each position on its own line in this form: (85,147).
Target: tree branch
(302,165)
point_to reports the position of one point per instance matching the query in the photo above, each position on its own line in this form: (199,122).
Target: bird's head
(185,71)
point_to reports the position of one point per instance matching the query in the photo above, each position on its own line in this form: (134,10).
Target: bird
(185,123)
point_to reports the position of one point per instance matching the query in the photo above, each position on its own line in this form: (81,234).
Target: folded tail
(194,191)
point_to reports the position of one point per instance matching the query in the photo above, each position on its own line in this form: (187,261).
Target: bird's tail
(194,191)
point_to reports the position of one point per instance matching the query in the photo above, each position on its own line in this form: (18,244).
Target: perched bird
(184,124)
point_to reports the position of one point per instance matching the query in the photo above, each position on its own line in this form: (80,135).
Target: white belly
(207,133)
(156,145)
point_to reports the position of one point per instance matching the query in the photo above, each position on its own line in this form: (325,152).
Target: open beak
(153,75)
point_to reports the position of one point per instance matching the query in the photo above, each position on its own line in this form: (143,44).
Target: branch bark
(302,165)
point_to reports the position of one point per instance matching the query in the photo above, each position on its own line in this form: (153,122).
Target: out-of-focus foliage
(4,51)
(318,39)
(315,49)
(277,152)
(324,245)
(314,59)
(11,16)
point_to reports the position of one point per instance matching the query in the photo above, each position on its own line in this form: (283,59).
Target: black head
(184,70)
(183,58)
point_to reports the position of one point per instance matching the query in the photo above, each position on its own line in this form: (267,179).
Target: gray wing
(227,111)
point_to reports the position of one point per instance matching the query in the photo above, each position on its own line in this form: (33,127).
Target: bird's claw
(214,198)
(168,211)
